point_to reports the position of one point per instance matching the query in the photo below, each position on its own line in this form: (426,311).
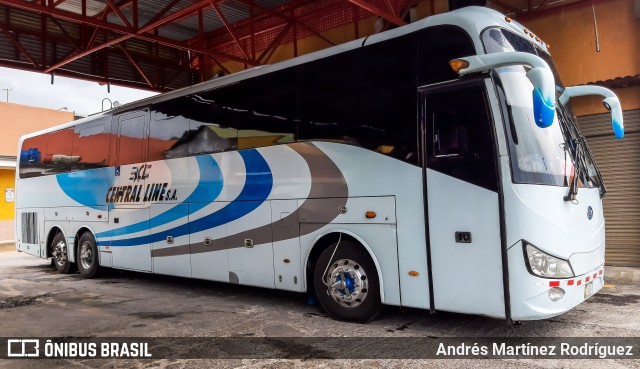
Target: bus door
(457,142)
(128,197)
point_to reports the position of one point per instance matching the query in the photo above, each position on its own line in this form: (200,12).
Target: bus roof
(472,19)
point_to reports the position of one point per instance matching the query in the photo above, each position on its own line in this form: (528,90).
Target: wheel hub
(60,253)
(347,282)
(86,255)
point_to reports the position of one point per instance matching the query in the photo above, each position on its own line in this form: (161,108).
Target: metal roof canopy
(166,44)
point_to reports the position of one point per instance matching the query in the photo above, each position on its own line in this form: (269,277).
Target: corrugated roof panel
(75,6)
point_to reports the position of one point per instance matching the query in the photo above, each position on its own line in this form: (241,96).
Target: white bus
(436,166)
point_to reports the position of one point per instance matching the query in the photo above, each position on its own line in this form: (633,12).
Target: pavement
(35,301)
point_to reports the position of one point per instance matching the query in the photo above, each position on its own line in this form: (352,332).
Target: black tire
(353,257)
(60,252)
(87,256)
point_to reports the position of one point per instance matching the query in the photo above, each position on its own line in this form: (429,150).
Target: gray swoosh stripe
(327,183)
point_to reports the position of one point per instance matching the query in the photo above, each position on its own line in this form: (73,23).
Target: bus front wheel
(346,283)
(60,253)
(88,256)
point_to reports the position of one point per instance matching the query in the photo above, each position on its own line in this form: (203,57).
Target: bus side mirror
(610,102)
(544,85)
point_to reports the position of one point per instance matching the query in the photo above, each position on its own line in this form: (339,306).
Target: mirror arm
(610,102)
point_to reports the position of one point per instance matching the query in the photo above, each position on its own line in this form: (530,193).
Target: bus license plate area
(588,290)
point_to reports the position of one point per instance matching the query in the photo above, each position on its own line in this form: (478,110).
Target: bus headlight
(545,265)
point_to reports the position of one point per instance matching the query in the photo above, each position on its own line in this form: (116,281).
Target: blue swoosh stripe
(257,187)
(87,187)
(208,188)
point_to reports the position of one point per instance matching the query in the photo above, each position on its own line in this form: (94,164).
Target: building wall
(7,180)
(17,120)
(571,34)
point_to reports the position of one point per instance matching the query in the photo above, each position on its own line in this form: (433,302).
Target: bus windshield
(538,156)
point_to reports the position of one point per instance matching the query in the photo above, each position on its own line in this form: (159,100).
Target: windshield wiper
(573,186)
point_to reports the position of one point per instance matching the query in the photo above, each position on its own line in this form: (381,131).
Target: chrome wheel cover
(347,282)
(60,252)
(86,255)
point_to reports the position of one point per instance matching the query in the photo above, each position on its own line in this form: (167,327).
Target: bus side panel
(176,265)
(287,260)
(378,239)
(251,261)
(467,274)
(368,173)
(132,251)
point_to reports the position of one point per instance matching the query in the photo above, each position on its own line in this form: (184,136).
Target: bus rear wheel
(60,253)
(88,256)
(347,284)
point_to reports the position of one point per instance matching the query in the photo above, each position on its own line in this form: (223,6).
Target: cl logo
(589,212)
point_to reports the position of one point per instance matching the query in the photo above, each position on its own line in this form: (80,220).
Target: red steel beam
(116,9)
(56,3)
(18,46)
(379,12)
(141,33)
(288,19)
(330,8)
(66,34)
(135,64)
(228,27)
(274,44)
(82,76)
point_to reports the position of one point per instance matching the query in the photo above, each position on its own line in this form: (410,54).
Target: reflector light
(413,273)
(370,214)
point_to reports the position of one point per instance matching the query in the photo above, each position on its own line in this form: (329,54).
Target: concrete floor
(37,301)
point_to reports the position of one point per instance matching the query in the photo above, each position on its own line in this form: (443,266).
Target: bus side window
(58,158)
(168,132)
(131,139)
(446,141)
(364,98)
(90,148)
(32,156)
(461,138)
(212,121)
(268,115)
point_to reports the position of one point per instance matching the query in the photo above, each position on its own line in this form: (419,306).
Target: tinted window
(131,139)
(460,135)
(366,97)
(213,126)
(90,147)
(58,158)
(436,47)
(169,131)
(268,115)
(32,156)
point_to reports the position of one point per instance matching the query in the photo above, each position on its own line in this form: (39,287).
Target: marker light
(370,214)
(507,19)
(458,64)
(413,273)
